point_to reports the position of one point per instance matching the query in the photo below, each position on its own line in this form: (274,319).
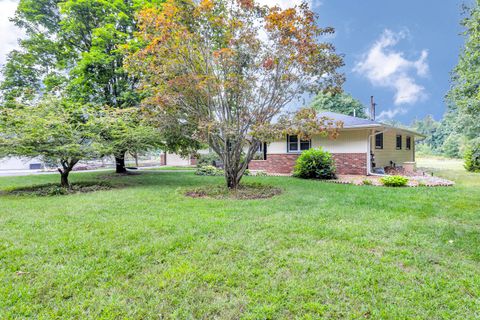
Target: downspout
(369,160)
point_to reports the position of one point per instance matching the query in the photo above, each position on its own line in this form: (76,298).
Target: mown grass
(318,250)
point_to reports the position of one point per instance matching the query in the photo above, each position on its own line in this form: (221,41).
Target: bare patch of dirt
(243,192)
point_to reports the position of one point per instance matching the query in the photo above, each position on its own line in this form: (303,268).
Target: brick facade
(351,163)
(346,163)
(275,163)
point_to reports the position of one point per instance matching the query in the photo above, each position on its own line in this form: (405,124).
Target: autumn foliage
(222,70)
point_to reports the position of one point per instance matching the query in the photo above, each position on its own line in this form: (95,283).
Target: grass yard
(319,250)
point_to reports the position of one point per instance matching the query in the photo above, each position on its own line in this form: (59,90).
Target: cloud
(9,33)
(391,113)
(284,4)
(386,67)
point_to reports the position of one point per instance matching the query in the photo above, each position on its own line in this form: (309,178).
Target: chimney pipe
(372,108)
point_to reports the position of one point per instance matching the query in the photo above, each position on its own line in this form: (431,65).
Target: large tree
(55,130)
(229,67)
(464,96)
(76,45)
(342,103)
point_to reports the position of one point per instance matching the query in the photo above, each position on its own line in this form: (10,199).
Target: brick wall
(275,163)
(346,163)
(163,159)
(351,163)
(193,160)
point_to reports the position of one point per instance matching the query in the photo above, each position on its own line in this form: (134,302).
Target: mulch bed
(45,190)
(243,192)
(413,180)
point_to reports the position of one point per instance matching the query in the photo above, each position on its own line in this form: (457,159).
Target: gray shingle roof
(349,121)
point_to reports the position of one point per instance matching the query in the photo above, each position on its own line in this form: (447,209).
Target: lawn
(318,250)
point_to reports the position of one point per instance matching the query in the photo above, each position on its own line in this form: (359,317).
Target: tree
(342,103)
(228,67)
(464,95)
(75,46)
(56,130)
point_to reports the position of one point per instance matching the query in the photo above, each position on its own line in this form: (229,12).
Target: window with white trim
(294,144)
(408,143)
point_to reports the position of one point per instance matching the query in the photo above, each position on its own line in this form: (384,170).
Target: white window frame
(298,143)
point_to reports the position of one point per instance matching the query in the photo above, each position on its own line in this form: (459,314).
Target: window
(296,145)
(408,143)
(399,142)
(379,141)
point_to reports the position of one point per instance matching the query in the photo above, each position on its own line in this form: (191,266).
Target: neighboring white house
(16,163)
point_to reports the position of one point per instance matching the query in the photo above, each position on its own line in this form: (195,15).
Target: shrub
(208,171)
(367,182)
(315,164)
(472,157)
(394,181)
(208,159)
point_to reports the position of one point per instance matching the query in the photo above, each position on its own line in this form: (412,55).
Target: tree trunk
(64,179)
(67,166)
(232,180)
(120,163)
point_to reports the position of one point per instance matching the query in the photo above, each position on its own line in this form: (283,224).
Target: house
(362,147)
(173,159)
(17,163)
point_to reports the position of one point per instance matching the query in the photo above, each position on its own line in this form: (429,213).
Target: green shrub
(315,164)
(208,159)
(261,174)
(472,157)
(394,181)
(367,182)
(209,171)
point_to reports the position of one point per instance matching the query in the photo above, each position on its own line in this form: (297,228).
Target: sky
(401,52)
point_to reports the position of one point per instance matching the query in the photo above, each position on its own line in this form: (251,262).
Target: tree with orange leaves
(228,67)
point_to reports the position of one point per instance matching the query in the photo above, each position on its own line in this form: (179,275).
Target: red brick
(346,163)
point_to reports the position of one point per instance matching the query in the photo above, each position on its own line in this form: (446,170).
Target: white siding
(390,152)
(174,159)
(14,163)
(348,141)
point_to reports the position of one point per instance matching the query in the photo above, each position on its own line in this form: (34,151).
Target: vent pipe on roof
(372,108)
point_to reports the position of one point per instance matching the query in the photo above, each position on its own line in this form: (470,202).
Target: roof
(350,122)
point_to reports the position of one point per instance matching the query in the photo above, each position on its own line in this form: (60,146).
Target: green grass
(318,250)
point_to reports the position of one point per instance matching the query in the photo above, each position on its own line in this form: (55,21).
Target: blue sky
(400,51)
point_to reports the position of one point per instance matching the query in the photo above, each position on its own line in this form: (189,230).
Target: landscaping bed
(53,189)
(413,181)
(243,192)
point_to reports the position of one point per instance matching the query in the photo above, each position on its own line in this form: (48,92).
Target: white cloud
(391,113)
(9,34)
(284,4)
(386,67)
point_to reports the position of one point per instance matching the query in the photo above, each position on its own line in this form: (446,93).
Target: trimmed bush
(472,157)
(315,164)
(209,171)
(394,181)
